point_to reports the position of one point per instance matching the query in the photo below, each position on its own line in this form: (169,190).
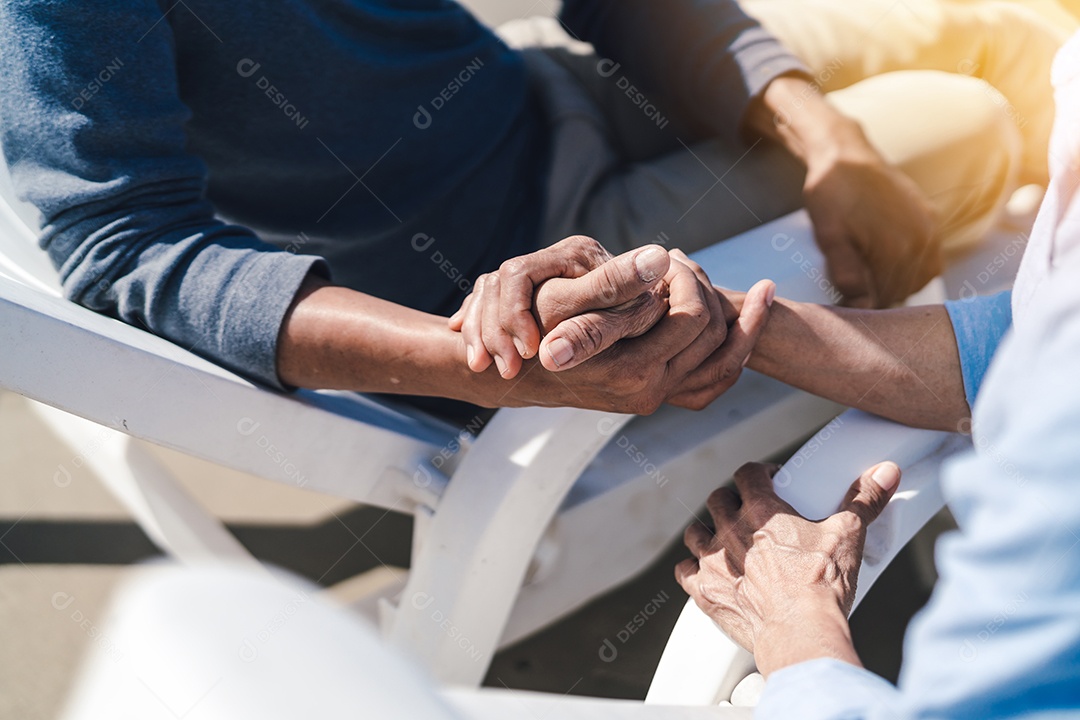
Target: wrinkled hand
(688,358)
(780,585)
(504,318)
(871,222)
(694,352)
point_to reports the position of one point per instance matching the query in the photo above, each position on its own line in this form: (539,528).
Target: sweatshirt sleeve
(706,58)
(93,133)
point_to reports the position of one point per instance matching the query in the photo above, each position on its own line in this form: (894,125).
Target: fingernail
(887,476)
(520,348)
(469,354)
(770,295)
(650,264)
(501,365)
(561,351)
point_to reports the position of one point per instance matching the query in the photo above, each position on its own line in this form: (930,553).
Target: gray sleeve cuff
(760,64)
(253,316)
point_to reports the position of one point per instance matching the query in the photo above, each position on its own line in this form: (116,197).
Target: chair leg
(165,511)
(483,535)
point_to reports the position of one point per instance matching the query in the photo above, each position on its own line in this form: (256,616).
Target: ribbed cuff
(255,307)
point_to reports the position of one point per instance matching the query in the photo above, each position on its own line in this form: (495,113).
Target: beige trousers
(955,93)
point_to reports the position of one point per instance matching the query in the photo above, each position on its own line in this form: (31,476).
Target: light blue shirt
(980,324)
(1001,634)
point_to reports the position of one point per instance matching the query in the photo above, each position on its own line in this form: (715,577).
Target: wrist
(800,117)
(813,626)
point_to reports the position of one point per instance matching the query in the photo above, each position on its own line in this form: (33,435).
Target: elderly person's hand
(872,224)
(653,326)
(505,317)
(780,585)
(871,221)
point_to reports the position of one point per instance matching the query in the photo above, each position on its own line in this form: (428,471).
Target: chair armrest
(119,376)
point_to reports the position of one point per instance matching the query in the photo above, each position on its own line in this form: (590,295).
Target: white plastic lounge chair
(522,535)
(217,639)
(217,643)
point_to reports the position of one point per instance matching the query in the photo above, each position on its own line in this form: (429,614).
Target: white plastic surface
(228,642)
(816,478)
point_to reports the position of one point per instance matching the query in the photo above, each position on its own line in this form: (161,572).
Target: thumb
(614,283)
(870,494)
(577,339)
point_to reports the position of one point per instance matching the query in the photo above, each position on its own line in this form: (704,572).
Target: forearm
(902,364)
(333,337)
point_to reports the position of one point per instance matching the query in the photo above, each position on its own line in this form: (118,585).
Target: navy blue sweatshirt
(193,161)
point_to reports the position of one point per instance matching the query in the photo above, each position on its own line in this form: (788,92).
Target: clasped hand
(625,333)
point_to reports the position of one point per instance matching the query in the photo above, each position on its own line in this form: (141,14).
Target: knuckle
(587,246)
(694,267)
(492,336)
(633,383)
(718,498)
(648,403)
(695,314)
(848,523)
(717,332)
(513,266)
(727,372)
(586,336)
(747,469)
(607,284)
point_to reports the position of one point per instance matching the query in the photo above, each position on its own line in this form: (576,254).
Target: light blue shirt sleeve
(1000,637)
(979,324)
(824,689)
